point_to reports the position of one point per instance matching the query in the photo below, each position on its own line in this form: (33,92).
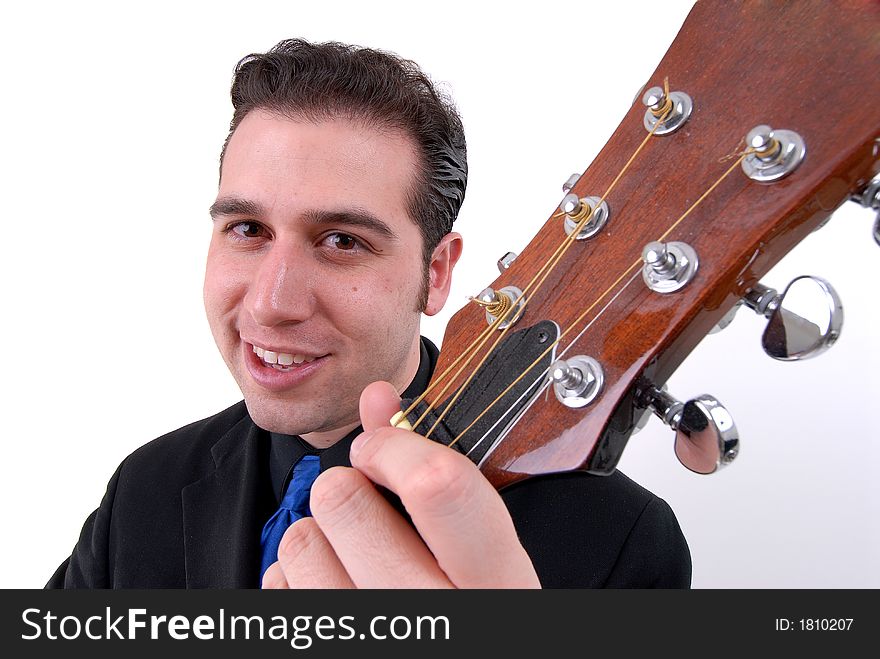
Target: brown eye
(247,229)
(343,241)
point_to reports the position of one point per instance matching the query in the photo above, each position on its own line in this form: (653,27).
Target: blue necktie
(294,506)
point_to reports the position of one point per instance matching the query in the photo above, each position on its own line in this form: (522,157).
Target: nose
(279,291)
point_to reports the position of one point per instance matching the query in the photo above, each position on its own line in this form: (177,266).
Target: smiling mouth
(281,361)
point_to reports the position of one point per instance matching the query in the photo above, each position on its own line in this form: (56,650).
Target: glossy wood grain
(805,66)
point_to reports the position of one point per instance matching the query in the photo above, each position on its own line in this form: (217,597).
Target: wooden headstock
(796,66)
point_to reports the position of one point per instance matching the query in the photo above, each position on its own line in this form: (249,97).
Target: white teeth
(281,358)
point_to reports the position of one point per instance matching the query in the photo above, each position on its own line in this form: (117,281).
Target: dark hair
(322,81)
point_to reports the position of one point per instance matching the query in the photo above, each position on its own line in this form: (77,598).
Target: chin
(274,420)
(282,420)
(280,428)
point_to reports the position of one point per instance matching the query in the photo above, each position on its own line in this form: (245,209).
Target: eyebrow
(235,206)
(353,217)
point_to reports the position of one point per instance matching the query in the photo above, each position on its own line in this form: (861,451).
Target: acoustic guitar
(757,124)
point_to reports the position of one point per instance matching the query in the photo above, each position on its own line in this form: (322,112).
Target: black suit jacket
(186,510)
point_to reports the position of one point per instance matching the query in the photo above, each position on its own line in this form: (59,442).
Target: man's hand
(463,535)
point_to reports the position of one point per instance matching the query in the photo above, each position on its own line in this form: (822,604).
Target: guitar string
(546,269)
(554,259)
(742,156)
(544,354)
(481,340)
(400,417)
(543,376)
(503,316)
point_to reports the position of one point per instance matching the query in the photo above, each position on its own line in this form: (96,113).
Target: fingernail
(358,443)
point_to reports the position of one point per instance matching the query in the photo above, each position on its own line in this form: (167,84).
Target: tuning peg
(498,303)
(668,266)
(577,381)
(803,322)
(505,261)
(570,182)
(776,153)
(675,110)
(706,437)
(869,197)
(576,209)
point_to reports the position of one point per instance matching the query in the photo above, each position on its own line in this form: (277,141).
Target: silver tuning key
(498,303)
(804,321)
(674,110)
(776,153)
(668,266)
(706,437)
(505,261)
(570,182)
(577,381)
(869,197)
(577,209)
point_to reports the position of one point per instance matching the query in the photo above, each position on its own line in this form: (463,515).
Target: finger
(378,403)
(456,511)
(307,560)
(274,579)
(377,547)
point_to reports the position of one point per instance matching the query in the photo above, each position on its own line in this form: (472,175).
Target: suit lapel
(220,521)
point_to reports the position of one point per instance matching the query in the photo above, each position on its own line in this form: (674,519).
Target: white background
(112,122)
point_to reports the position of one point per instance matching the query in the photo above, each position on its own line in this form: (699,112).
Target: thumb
(379,402)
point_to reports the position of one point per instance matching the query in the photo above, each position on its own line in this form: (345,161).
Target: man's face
(315,268)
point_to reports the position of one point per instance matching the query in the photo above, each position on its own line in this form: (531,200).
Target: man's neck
(325,438)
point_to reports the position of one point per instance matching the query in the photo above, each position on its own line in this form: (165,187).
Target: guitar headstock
(798,67)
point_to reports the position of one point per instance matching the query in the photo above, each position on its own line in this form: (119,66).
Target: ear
(443,260)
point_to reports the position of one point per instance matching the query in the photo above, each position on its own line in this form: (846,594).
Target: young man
(340,179)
